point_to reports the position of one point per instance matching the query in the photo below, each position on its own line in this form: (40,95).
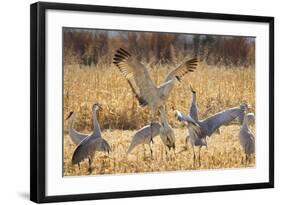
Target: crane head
(97,106)
(244,106)
(251,118)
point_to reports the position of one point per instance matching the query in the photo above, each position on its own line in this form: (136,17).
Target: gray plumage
(74,135)
(242,115)
(210,124)
(145,135)
(92,143)
(88,147)
(193,112)
(193,108)
(167,134)
(196,135)
(199,130)
(246,137)
(147,93)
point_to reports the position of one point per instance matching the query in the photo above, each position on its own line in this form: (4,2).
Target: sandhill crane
(198,131)
(141,84)
(144,136)
(193,112)
(92,143)
(167,134)
(246,137)
(74,135)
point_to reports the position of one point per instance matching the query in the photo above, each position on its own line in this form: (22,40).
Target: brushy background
(224,78)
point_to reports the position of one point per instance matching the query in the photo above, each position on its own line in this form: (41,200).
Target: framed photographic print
(129,102)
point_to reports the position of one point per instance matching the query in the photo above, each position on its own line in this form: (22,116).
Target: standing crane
(246,137)
(144,136)
(92,143)
(193,112)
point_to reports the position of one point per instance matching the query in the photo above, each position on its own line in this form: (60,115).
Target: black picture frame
(38,100)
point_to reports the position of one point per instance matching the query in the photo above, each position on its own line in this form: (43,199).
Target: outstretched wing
(184,68)
(137,76)
(212,123)
(185,118)
(76,136)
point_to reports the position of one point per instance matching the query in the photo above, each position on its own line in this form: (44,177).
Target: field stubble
(217,89)
(223,152)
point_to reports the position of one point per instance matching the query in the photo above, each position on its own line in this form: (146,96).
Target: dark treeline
(92,47)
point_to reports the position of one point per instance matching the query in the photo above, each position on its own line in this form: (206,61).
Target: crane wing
(185,118)
(184,68)
(76,136)
(137,76)
(144,134)
(85,148)
(103,146)
(212,123)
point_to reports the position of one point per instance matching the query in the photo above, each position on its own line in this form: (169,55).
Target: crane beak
(100,107)
(191,89)
(69,115)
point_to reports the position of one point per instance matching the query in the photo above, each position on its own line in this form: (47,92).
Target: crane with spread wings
(138,78)
(199,130)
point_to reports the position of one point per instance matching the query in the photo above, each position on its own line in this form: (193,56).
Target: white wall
(14,100)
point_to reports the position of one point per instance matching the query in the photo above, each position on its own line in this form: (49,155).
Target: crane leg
(151,154)
(151,142)
(247,159)
(143,151)
(186,141)
(166,153)
(90,165)
(152,116)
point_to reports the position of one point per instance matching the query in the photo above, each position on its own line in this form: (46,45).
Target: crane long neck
(163,116)
(71,123)
(245,121)
(95,122)
(193,98)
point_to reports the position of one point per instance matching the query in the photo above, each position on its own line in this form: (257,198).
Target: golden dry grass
(217,88)
(223,152)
